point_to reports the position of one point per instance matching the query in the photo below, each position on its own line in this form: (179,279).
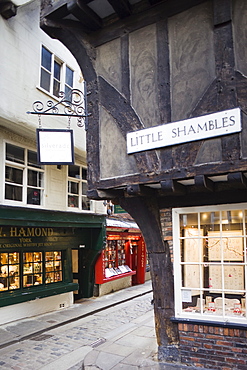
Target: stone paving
(71,342)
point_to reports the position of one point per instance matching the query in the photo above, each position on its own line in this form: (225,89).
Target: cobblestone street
(69,343)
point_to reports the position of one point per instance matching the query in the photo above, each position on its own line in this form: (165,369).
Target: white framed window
(210,262)
(55,75)
(77,188)
(24,177)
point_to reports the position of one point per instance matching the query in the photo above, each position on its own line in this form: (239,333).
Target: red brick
(196,328)
(223,343)
(226,331)
(239,350)
(201,329)
(235,360)
(208,346)
(236,332)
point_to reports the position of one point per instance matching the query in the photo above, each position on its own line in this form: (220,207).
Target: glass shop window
(210,263)
(53,267)
(24,177)
(115,258)
(32,269)
(77,188)
(9,271)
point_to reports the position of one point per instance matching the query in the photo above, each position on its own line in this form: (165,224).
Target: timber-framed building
(157,64)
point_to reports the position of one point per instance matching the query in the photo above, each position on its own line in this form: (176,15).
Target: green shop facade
(46,259)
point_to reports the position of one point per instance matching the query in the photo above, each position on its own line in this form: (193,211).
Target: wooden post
(146,213)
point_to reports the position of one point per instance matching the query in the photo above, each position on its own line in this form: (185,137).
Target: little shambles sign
(199,128)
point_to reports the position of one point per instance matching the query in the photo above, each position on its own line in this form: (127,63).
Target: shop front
(36,259)
(123,262)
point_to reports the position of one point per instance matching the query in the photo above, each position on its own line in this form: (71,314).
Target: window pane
(69,76)
(73,201)
(232,220)
(56,88)
(74,171)
(188,220)
(35,178)
(33,196)
(57,69)
(32,159)
(14,153)
(32,269)
(84,188)
(45,78)
(13,175)
(210,221)
(53,267)
(46,59)
(68,92)
(73,187)
(9,271)
(84,173)
(13,192)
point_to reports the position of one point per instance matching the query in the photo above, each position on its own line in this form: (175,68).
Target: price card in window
(186,295)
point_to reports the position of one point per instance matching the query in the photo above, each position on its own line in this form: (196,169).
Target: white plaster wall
(20,45)
(36,307)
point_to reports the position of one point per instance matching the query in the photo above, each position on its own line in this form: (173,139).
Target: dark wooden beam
(104,195)
(121,7)
(237,180)
(170,186)
(85,15)
(56,10)
(144,18)
(222,11)
(139,190)
(203,183)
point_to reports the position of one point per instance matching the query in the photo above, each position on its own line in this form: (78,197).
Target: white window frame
(24,167)
(177,238)
(63,65)
(80,181)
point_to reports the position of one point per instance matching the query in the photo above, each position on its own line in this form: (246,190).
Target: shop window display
(114,258)
(9,271)
(53,267)
(32,269)
(210,258)
(37,268)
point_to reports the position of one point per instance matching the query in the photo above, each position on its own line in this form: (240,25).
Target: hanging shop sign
(55,146)
(198,128)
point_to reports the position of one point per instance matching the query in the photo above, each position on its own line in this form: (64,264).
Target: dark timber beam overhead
(84,14)
(121,7)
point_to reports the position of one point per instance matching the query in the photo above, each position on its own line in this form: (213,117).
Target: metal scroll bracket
(72,104)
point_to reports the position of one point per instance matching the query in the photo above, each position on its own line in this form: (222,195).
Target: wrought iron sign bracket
(73,104)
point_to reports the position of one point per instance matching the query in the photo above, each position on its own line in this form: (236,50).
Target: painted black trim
(15,297)
(209,323)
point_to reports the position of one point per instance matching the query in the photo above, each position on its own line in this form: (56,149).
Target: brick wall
(166,225)
(218,348)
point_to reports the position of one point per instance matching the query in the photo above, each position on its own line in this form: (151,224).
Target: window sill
(47,93)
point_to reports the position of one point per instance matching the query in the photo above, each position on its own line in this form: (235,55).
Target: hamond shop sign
(198,128)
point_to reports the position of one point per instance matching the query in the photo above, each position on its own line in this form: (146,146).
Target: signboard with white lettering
(198,128)
(55,146)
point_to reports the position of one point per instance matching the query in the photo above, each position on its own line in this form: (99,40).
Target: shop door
(77,257)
